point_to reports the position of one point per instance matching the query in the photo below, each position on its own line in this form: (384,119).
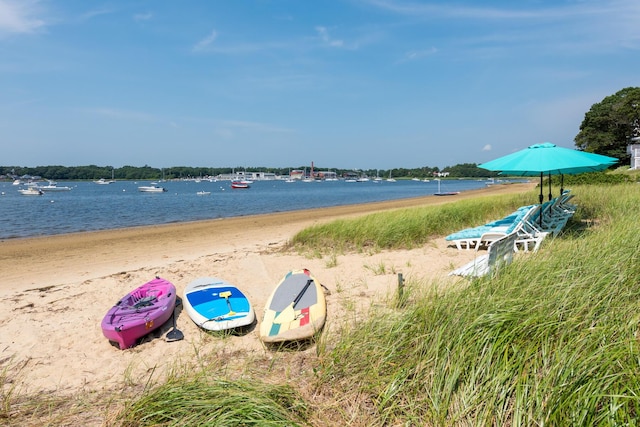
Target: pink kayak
(139,312)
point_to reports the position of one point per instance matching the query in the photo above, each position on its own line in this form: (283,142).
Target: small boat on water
(203,193)
(151,189)
(52,186)
(140,312)
(31,191)
(444,193)
(239,184)
(103,181)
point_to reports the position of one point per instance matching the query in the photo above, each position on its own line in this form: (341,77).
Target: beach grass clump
(199,400)
(552,340)
(406,228)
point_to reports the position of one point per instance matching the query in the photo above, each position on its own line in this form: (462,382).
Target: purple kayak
(140,312)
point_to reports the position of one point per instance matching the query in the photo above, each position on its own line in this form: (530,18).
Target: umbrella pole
(561,184)
(550,196)
(541,198)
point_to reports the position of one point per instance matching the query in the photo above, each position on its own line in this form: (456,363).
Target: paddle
(289,313)
(226,295)
(174,334)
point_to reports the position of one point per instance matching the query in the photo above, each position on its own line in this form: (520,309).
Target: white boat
(444,193)
(52,186)
(151,189)
(390,179)
(239,184)
(203,193)
(31,191)
(103,181)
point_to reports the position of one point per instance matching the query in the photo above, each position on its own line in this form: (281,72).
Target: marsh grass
(552,340)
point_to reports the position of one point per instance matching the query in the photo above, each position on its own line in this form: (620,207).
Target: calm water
(89,206)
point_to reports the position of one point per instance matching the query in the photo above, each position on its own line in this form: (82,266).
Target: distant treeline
(93,172)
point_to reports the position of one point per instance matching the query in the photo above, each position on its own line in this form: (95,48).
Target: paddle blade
(174,335)
(285,316)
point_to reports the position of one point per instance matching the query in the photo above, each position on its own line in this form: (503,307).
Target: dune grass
(552,340)
(200,400)
(405,228)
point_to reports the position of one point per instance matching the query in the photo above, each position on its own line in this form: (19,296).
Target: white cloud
(20,17)
(324,35)
(584,25)
(205,42)
(93,13)
(487,147)
(418,54)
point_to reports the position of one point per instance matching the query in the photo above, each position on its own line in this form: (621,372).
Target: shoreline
(57,290)
(47,260)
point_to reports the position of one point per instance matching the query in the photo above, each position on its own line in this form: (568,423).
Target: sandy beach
(55,290)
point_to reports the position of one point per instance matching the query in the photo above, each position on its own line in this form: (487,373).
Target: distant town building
(297,174)
(247,175)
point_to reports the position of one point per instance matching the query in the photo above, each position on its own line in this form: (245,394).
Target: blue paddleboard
(215,304)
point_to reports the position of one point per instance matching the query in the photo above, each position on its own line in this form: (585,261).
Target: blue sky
(278,83)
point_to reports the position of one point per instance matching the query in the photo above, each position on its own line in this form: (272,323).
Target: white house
(634,151)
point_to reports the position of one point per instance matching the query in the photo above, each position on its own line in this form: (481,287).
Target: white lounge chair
(484,234)
(555,215)
(499,253)
(521,225)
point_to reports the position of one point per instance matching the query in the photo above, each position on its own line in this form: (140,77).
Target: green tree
(609,125)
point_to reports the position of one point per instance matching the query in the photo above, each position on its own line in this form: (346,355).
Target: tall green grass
(553,340)
(407,228)
(200,400)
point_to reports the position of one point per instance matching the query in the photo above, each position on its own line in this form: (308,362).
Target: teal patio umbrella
(548,158)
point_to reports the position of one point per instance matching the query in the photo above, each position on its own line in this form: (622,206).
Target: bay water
(91,207)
